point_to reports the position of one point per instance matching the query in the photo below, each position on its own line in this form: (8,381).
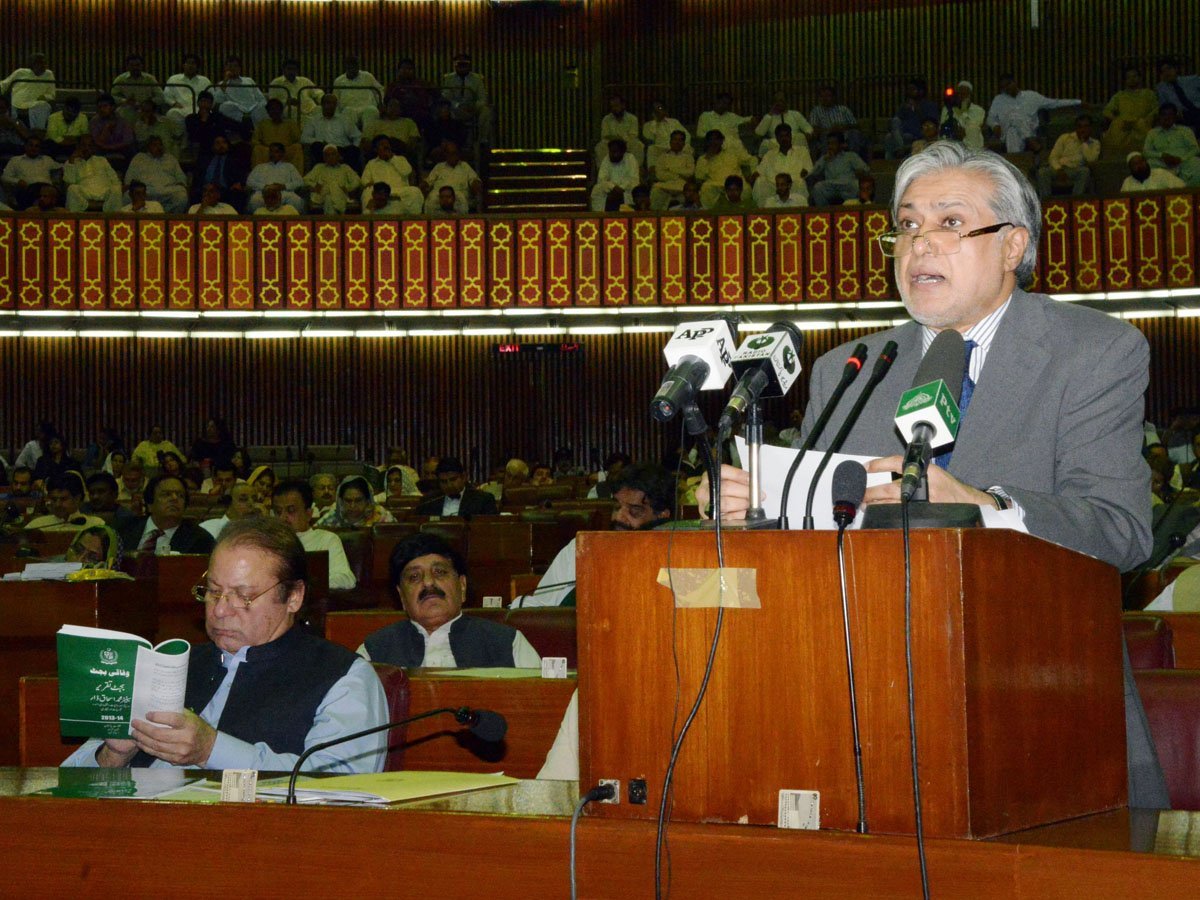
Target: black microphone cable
(660,841)
(850,483)
(599,792)
(912,710)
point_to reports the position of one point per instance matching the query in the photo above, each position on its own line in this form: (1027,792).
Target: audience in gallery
(435,130)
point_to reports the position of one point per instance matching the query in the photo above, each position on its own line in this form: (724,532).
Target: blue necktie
(968,388)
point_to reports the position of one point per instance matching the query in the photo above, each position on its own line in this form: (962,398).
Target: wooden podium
(1017,675)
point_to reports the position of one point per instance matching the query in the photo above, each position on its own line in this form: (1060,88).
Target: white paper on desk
(49,571)
(775,462)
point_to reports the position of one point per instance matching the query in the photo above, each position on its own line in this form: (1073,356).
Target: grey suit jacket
(1055,420)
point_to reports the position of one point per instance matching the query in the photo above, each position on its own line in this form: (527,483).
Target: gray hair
(1013,200)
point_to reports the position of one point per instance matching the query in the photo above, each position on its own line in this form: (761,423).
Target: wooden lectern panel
(31,612)
(1017,660)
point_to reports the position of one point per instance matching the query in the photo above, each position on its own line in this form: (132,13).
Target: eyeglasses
(938,241)
(204,594)
(440,572)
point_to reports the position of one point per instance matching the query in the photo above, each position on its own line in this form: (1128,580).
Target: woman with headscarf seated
(397,483)
(98,549)
(355,507)
(262,482)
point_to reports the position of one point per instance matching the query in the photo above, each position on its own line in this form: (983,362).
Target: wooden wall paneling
(1148,242)
(358,261)
(531,262)
(616,261)
(152,264)
(123,285)
(329,264)
(472,263)
(502,262)
(31,263)
(760,264)
(93,264)
(702,256)
(818,264)
(443,263)
(1056,245)
(1118,244)
(1180,230)
(384,266)
(878,279)
(429,394)
(847,230)
(240,253)
(1087,249)
(560,259)
(587,261)
(299,255)
(8,290)
(645,259)
(61,264)
(731,259)
(673,260)
(213,260)
(789,257)
(270,253)
(182,260)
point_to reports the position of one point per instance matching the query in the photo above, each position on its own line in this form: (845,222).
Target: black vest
(475,643)
(275,694)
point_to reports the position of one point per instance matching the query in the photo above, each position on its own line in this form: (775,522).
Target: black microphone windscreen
(945,360)
(849,482)
(489,726)
(796,334)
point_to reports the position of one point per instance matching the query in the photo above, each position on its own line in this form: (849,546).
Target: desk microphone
(928,413)
(698,354)
(879,371)
(850,371)
(483,723)
(849,486)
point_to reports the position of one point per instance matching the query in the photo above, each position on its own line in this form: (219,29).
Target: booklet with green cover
(108,678)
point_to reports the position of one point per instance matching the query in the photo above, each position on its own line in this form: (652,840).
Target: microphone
(767,365)
(698,354)
(849,486)
(883,364)
(483,723)
(928,411)
(850,370)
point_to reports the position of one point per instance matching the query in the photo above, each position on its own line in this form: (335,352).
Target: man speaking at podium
(1054,424)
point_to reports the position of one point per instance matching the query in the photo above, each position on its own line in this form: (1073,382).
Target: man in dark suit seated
(430,577)
(263,690)
(163,531)
(456,499)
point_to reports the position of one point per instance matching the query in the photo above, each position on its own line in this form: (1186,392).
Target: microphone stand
(462,714)
(756,517)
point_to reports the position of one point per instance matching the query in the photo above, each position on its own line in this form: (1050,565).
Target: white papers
(159,682)
(49,571)
(775,462)
(385,787)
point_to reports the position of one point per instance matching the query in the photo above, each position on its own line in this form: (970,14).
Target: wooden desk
(512,844)
(31,612)
(533,706)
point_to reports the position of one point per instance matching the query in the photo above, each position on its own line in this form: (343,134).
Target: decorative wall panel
(90,262)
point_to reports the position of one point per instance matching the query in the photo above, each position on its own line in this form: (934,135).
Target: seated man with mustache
(430,578)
